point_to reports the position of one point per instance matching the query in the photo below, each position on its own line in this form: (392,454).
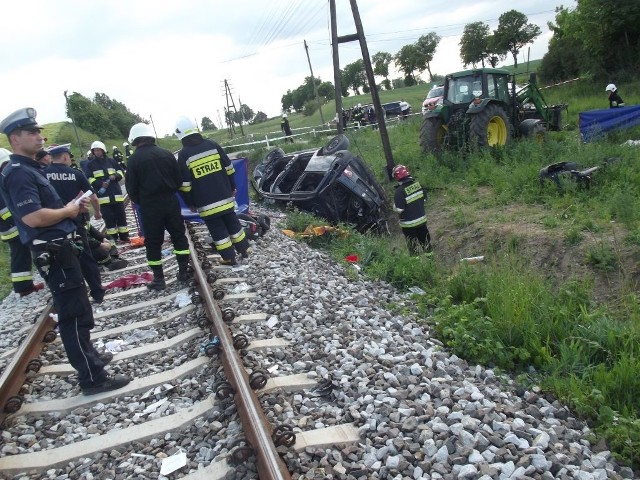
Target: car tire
(533,129)
(337,143)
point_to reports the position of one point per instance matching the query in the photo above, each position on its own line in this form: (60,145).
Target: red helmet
(400,172)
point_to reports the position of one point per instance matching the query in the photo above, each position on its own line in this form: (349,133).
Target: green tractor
(483,108)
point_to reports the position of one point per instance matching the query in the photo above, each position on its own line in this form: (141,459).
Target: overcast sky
(163,59)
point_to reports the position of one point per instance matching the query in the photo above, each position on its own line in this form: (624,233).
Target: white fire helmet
(98,144)
(610,88)
(185,127)
(4,156)
(140,130)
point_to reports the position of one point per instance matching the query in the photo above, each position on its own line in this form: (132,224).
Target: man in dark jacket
(21,269)
(208,186)
(46,225)
(68,181)
(104,177)
(615,101)
(409,203)
(286,129)
(152,181)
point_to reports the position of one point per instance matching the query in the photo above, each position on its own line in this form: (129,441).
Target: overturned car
(329,182)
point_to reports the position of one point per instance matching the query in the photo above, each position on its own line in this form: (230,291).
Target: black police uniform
(208,185)
(152,182)
(409,203)
(21,273)
(111,198)
(68,182)
(26,190)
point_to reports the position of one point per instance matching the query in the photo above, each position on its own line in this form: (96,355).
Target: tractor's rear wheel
(533,129)
(433,134)
(490,127)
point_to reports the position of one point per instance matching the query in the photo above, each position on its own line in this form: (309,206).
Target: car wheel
(337,143)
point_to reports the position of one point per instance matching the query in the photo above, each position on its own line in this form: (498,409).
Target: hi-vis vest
(409,203)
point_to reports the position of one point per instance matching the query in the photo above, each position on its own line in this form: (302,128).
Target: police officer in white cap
(46,224)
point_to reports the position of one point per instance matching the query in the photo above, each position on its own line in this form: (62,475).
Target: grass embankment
(556,299)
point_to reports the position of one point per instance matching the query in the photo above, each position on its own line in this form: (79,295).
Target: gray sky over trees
(166,58)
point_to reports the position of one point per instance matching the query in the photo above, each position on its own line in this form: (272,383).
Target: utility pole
(66,98)
(335,40)
(154,126)
(313,82)
(337,79)
(231,104)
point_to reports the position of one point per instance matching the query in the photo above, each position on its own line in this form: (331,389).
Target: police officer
(43,157)
(21,276)
(409,203)
(47,226)
(152,182)
(104,175)
(68,182)
(208,186)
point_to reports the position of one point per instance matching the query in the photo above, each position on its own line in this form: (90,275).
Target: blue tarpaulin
(241,166)
(594,123)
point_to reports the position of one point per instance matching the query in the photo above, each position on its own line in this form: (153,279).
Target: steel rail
(255,424)
(14,376)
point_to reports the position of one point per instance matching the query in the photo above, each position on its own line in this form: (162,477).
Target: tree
(90,116)
(118,113)
(513,33)
(381,61)
(474,43)
(407,60)
(260,117)
(426,49)
(327,91)
(287,101)
(354,76)
(207,125)
(243,114)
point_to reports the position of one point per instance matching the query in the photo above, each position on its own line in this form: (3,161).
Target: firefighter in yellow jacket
(208,186)
(409,204)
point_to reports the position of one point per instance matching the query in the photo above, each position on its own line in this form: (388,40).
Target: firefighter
(208,186)
(152,181)
(104,177)
(119,158)
(409,204)
(46,225)
(286,128)
(68,182)
(21,272)
(615,101)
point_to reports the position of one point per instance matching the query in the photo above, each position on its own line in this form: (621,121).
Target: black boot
(158,279)
(183,268)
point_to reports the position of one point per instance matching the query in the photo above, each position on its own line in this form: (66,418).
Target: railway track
(286,366)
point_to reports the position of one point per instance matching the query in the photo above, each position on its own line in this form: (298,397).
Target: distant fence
(271,138)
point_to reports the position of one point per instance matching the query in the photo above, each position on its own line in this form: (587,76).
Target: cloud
(165,58)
